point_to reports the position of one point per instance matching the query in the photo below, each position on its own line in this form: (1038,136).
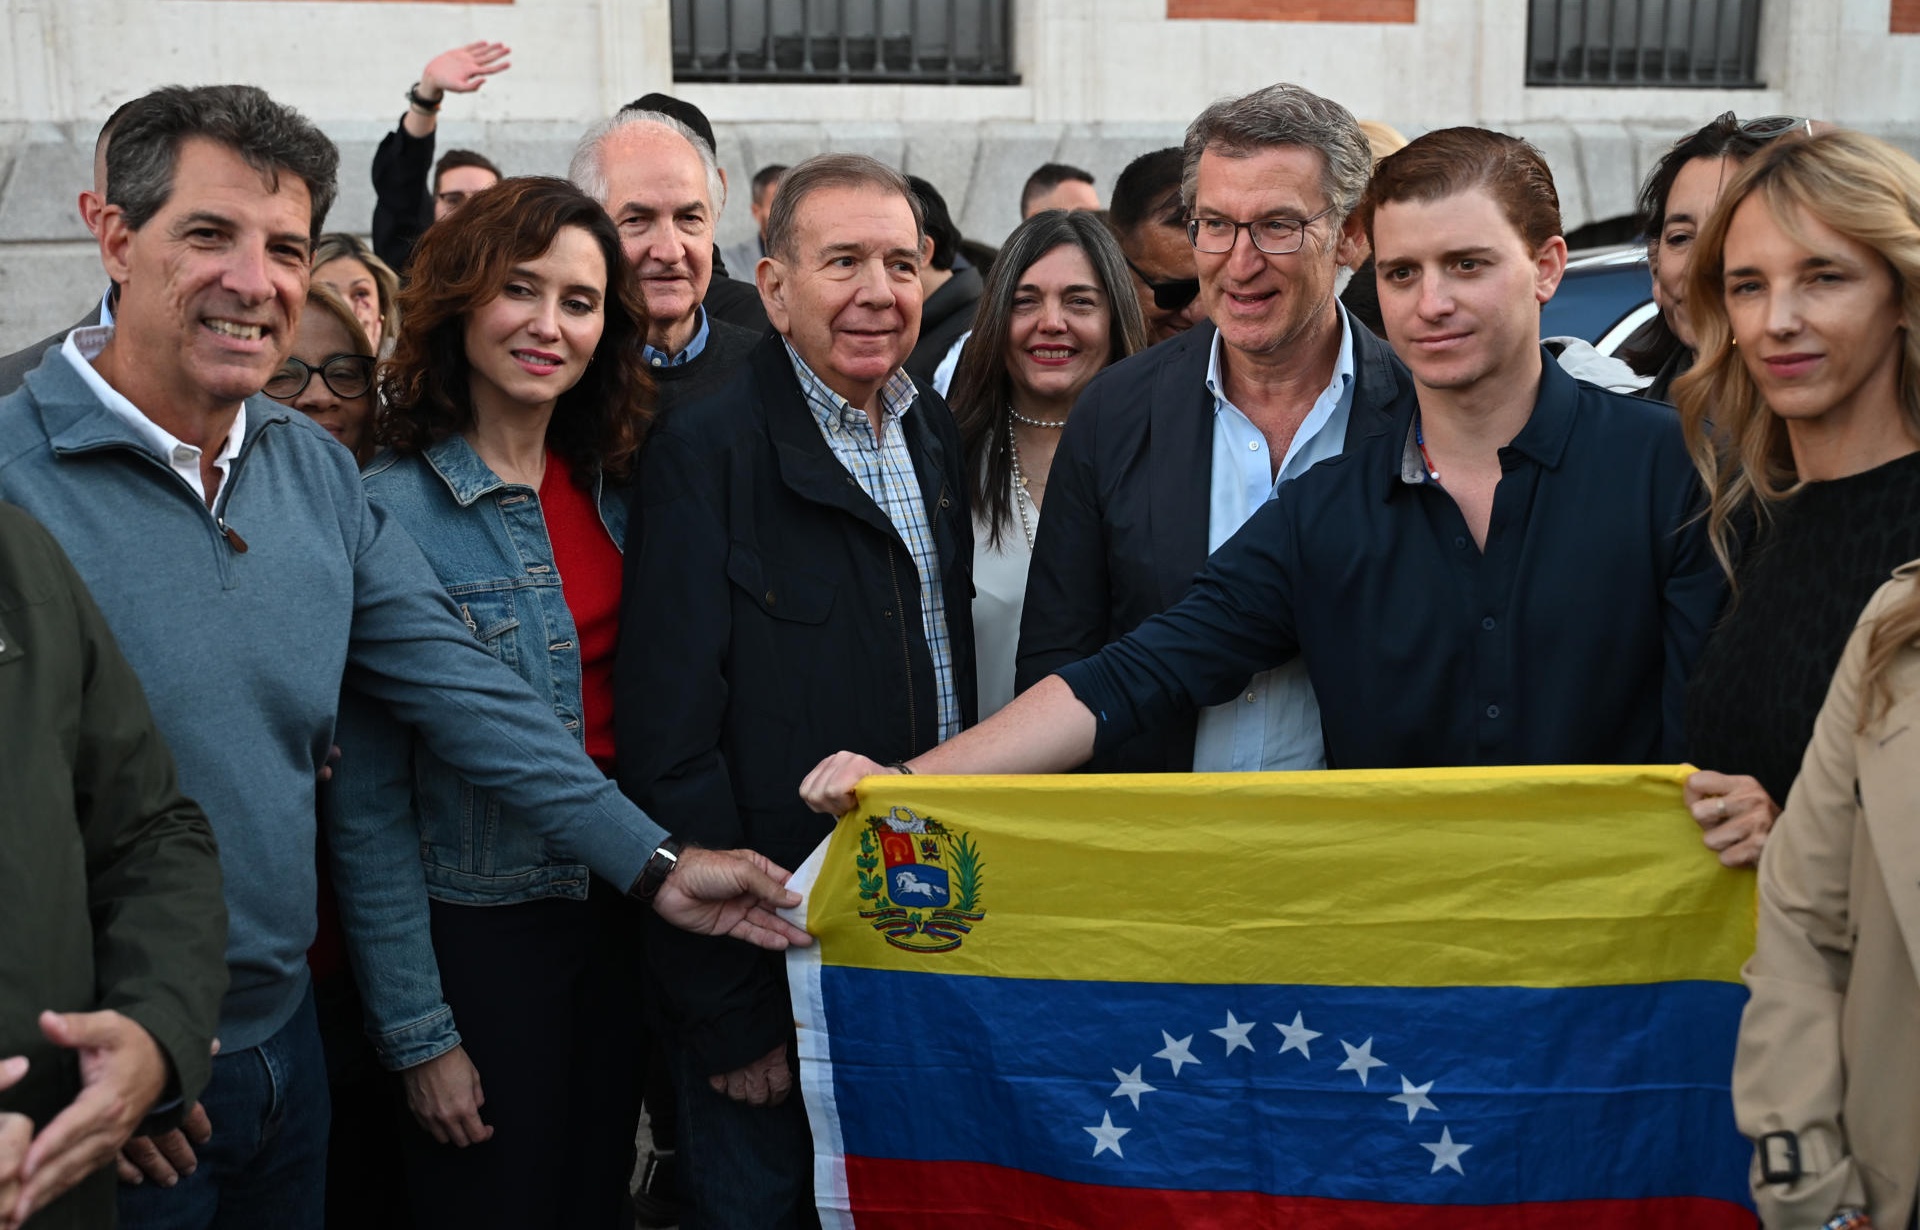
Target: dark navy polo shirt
(1567,640)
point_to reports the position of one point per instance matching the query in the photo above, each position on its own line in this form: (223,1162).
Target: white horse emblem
(905,882)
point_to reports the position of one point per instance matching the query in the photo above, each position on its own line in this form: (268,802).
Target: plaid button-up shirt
(884,469)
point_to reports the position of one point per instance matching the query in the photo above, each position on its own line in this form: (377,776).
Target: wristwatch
(414,99)
(646,885)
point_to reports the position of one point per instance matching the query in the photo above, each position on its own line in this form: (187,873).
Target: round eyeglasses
(348,375)
(1274,236)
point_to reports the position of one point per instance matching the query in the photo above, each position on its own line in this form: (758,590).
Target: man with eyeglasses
(1169,452)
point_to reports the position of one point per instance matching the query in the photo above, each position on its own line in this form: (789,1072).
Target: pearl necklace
(1022,498)
(1052,424)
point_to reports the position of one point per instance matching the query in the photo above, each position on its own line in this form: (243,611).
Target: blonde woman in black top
(1803,416)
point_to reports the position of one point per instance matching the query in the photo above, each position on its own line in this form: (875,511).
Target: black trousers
(545,996)
(365,1187)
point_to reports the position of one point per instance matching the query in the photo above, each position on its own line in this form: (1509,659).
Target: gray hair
(588,170)
(833,171)
(269,137)
(1282,115)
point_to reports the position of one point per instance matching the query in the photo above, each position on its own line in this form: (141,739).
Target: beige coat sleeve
(1788,1073)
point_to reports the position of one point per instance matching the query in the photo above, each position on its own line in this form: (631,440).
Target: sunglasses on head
(1765,128)
(1768,127)
(1172,296)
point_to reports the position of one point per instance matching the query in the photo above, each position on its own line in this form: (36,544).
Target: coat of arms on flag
(926,896)
(1438,999)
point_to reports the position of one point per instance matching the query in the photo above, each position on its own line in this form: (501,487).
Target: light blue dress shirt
(660,358)
(1274,723)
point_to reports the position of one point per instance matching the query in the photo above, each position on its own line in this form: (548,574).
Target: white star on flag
(1445,1153)
(1234,1033)
(1297,1036)
(1175,1053)
(1131,1086)
(1413,1097)
(1360,1060)
(1107,1136)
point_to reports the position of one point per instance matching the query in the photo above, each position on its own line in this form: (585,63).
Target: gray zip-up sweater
(242,641)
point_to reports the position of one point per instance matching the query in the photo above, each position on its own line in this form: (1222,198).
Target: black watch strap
(413,98)
(666,856)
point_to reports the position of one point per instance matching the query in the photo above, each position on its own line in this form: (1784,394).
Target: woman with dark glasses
(1674,204)
(329,375)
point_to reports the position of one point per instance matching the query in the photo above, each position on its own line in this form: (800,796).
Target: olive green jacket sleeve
(110,893)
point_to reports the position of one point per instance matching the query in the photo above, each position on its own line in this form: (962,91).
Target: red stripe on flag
(888,1193)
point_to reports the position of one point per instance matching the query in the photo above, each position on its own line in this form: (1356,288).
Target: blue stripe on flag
(1557,1093)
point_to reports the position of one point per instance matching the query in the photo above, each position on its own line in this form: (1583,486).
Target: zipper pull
(234,540)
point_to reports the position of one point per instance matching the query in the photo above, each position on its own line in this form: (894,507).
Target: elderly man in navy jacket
(798,580)
(1171,451)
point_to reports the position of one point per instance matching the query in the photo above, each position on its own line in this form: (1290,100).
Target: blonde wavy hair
(1869,192)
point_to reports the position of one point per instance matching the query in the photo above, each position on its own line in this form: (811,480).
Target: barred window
(951,42)
(1701,43)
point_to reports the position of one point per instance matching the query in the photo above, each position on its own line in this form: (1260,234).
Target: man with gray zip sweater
(231,548)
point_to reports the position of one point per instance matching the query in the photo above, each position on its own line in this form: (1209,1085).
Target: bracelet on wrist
(420,104)
(1848,1219)
(899,766)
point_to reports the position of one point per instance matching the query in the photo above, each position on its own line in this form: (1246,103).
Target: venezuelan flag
(1440,998)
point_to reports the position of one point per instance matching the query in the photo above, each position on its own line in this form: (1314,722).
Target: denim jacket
(487,541)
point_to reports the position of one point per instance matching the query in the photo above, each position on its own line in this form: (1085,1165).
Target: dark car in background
(1606,294)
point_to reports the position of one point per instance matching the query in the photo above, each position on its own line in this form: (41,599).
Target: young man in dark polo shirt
(1512,574)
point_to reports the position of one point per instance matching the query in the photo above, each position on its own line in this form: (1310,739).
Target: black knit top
(1763,676)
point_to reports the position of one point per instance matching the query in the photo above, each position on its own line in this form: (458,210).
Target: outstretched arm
(1044,730)
(459,71)
(1235,621)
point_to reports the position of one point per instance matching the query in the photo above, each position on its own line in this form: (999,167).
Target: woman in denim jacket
(514,407)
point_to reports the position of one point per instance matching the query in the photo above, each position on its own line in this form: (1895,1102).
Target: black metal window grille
(1697,43)
(952,42)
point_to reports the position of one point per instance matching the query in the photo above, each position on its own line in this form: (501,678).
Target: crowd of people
(393,825)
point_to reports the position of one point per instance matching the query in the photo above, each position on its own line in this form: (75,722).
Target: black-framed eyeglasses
(348,375)
(1172,295)
(1274,236)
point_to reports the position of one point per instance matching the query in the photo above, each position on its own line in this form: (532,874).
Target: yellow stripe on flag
(1351,870)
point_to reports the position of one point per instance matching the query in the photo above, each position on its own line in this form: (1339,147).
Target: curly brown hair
(462,263)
